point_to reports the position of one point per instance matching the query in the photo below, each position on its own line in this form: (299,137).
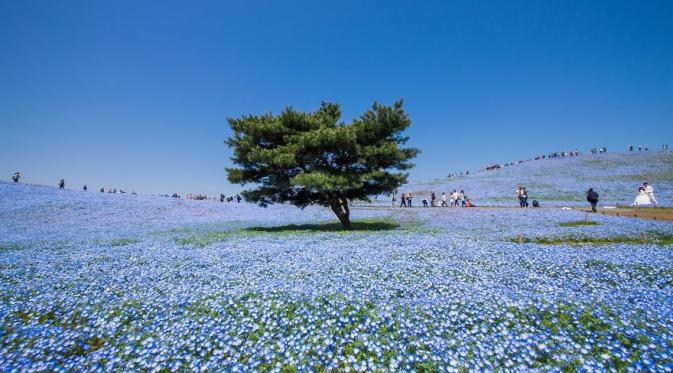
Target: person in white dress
(650,193)
(642,199)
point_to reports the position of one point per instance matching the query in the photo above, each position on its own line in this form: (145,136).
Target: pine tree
(312,158)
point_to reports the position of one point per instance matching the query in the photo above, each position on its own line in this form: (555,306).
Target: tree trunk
(339,205)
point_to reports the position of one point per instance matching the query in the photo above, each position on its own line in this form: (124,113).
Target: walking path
(648,213)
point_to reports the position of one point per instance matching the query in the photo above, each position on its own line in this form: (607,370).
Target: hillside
(108,282)
(36,212)
(563,181)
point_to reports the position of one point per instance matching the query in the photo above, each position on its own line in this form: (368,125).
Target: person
(394,199)
(403,200)
(409,198)
(433,199)
(238,199)
(444,200)
(425,202)
(468,203)
(536,203)
(525,197)
(650,193)
(84,188)
(519,195)
(222,197)
(61,184)
(592,198)
(454,198)
(16,177)
(102,190)
(642,199)
(461,198)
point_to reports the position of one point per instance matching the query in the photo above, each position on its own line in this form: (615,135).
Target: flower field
(101,282)
(563,181)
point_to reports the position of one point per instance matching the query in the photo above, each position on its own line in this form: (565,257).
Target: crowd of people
(645,196)
(16,178)
(455,199)
(562,154)
(174,195)
(461,173)
(111,190)
(597,151)
(230,198)
(198,197)
(205,197)
(640,148)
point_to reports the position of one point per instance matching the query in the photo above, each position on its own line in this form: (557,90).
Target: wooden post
(586,218)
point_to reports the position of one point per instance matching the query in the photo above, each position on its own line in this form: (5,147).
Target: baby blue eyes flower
(181,295)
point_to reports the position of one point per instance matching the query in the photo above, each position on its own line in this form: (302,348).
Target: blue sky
(135,94)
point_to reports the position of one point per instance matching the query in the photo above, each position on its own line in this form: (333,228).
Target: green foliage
(206,238)
(10,246)
(123,241)
(578,223)
(358,225)
(312,158)
(643,239)
(202,239)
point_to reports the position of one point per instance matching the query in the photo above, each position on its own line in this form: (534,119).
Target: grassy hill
(563,181)
(107,282)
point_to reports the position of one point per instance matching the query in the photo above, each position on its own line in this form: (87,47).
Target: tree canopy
(313,158)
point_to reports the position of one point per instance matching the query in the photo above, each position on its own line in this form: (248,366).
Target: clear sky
(134,94)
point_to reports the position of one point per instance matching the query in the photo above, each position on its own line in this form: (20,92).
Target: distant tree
(312,158)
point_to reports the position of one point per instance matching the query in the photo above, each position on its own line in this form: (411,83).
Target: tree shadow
(357,225)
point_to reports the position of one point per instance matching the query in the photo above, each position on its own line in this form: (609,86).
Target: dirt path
(648,213)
